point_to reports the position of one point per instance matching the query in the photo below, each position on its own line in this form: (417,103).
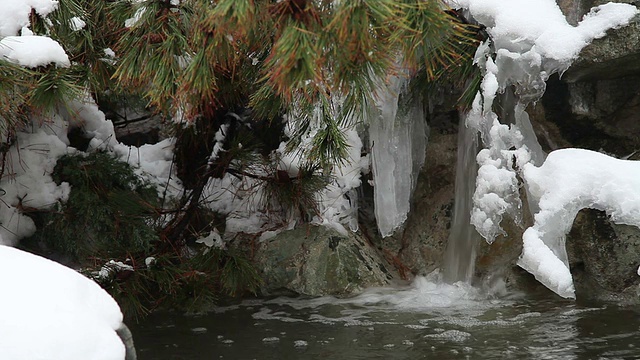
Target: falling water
(459,262)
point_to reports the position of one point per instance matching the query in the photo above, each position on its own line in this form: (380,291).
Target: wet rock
(604,257)
(316,261)
(424,239)
(615,55)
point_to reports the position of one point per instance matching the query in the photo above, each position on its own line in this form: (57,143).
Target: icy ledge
(571,180)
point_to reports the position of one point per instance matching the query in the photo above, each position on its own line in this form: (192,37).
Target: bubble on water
(227,341)
(199,330)
(220,337)
(271,339)
(388,346)
(407,342)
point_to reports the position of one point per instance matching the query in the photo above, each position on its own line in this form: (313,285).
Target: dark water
(424,321)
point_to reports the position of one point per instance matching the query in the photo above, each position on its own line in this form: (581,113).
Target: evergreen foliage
(110,213)
(283,56)
(240,65)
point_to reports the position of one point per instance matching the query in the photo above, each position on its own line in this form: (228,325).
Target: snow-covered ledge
(571,180)
(49,311)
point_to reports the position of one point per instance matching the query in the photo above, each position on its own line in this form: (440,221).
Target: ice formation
(397,138)
(52,312)
(529,41)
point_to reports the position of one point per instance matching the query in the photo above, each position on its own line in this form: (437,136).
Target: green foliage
(285,56)
(111,214)
(296,194)
(110,211)
(190,283)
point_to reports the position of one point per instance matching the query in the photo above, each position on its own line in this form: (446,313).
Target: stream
(424,320)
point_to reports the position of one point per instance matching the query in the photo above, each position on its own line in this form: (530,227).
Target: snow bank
(51,312)
(28,50)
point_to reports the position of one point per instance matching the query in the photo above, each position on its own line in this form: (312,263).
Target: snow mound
(15,13)
(51,312)
(33,51)
(571,180)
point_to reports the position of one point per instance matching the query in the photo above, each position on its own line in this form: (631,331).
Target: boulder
(604,257)
(315,261)
(615,55)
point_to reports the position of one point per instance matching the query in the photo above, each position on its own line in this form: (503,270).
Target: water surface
(425,320)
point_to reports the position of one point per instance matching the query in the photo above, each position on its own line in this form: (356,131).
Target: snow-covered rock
(51,312)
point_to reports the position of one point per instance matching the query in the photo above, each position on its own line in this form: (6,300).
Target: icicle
(397,140)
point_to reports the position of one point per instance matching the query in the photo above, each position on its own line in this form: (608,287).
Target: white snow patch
(15,13)
(33,51)
(27,181)
(77,24)
(571,180)
(50,311)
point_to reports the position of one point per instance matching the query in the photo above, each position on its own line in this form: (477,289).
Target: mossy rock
(316,261)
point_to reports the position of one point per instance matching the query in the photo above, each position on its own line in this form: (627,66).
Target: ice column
(397,138)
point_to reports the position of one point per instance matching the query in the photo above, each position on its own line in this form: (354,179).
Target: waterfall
(528,41)
(459,262)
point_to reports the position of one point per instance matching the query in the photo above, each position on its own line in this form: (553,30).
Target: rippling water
(424,320)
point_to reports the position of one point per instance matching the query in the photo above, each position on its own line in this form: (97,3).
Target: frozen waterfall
(398,139)
(529,41)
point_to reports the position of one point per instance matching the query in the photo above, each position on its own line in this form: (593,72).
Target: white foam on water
(450,335)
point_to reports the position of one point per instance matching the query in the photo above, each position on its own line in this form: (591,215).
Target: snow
(27,181)
(77,24)
(571,180)
(397,138)
(52,312)
(33,51)
(529,41)
(15,13)
(213,240)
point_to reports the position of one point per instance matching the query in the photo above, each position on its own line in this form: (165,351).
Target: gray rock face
(604,257)
(613,56)
(317,261)
(423,242)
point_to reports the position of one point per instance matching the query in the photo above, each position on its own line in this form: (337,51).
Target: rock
(127,339)
(423,242)
(603,257)
(316,261)
(615,55)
